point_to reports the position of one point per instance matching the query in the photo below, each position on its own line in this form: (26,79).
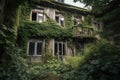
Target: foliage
(24,12)
(47,29)
(102,59)
(5,38)
(101,63)
(68,19)
(97,5)
(111,30)
(74,62)
(15,67)
(51,69)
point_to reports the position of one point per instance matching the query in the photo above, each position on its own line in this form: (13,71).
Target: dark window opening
(37,16)
(39,48)
(31,48)
(57,19)
(34,16)
(75,22)
(56,49)
(63,49)
(60,49)
(35,47)
(62,22)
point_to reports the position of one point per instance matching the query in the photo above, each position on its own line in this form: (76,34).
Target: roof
(63,7)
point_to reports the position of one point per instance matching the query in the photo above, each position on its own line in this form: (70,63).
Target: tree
(101,7)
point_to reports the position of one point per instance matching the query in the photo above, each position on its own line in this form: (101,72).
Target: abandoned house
(54,28)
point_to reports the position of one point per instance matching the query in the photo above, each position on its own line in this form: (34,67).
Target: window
(59,19)
(37,15)
(77,21)
(59,49)
(62,1)
(97,26)
(35,47)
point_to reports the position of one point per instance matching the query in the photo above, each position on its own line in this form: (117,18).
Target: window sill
(34,55)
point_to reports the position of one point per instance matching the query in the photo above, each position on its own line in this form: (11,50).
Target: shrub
(49,70)
(15,67)
(101,63)
(75,61)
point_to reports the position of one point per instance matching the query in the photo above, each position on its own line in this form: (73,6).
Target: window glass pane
(60,49)
(39,48)
(62,21)
(63,49)
(60,0)
(40,17)
(55,49)
(75,22)
(34,16)
(31,48)
(57,19)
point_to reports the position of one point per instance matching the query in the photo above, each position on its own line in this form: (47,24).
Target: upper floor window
(97,26)
(59,19)
(37,15)
(77,20)
(60,1)
(35,47)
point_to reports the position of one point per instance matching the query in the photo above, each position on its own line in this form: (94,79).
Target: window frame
(60,16)
(65,46)
(37,11)
(35,47)
(62,1)
(76,21)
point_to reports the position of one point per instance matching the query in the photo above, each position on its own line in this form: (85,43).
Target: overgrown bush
(101,63)
(74,62)
(50,70)
(15,67)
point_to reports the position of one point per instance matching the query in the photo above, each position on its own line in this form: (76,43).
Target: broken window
(62,21)
(34,16)
(35,47)
(59,19)
(77,20)
(59,49)
(37,15)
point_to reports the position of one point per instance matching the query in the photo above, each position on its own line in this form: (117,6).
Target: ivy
(46,29)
